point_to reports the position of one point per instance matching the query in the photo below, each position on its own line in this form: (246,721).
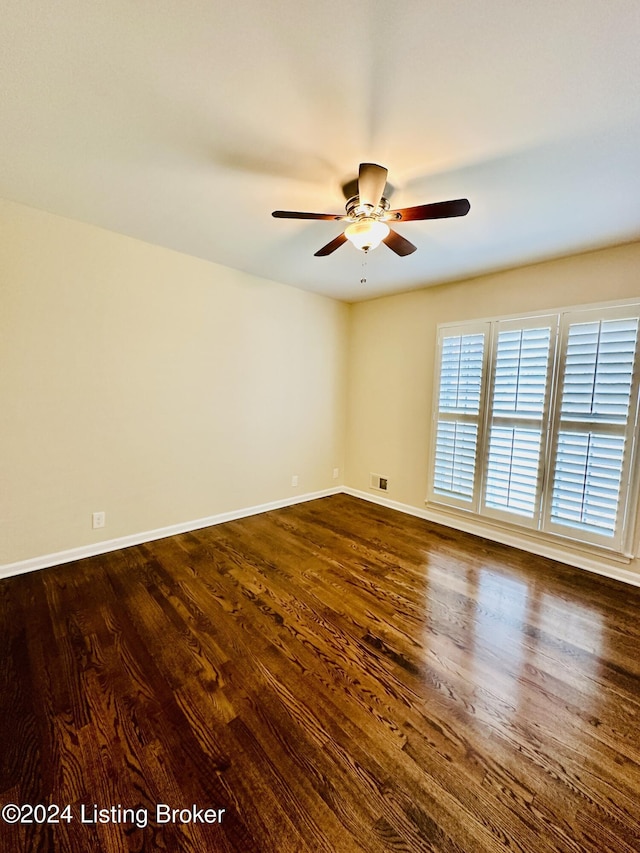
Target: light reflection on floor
(511,645)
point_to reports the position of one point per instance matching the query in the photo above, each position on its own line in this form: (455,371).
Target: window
(536,422)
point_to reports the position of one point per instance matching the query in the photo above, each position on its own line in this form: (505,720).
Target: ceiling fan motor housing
(355,210)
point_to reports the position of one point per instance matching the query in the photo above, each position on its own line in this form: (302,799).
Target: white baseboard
(95,548)
(590,563)
(542,549)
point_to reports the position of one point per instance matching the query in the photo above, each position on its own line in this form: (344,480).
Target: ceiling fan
(368,214)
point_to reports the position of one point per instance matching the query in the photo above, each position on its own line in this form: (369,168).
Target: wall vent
(378,482)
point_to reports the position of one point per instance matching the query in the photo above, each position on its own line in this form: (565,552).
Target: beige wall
(163,389)
(392,350)
(151,385)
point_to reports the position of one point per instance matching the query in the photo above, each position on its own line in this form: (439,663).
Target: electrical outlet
(294,480)
(98,519)
(336,473)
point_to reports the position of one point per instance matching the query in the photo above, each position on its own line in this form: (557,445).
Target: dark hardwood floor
(337,677)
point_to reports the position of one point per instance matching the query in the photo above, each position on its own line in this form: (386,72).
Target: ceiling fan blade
(332,246)
(398,244)
(438,210)
(371,181)
(295,214)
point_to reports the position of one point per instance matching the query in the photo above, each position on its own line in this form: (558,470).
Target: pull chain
(363,280)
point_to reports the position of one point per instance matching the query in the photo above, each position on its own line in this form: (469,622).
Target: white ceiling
(186,123)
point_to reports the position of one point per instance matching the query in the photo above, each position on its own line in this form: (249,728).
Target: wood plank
(337,677)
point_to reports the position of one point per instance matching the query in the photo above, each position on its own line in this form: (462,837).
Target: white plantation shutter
(461,373)
(512,470)
(594,426)
(586,486)
(519,397)
(455,461)
(598,370)
(461,363)
(535,423)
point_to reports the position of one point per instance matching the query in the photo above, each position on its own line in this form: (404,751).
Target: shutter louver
(455,462)
(512,470)
(586,488)
(520,383)
(599,370)
(461,366)
(518,405)
(461,373)
(594,412)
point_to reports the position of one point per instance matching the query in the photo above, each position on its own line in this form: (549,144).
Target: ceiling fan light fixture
(366,233)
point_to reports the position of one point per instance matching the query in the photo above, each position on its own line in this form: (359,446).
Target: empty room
(319,427)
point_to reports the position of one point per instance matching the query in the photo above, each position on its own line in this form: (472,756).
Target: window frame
(542,525)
